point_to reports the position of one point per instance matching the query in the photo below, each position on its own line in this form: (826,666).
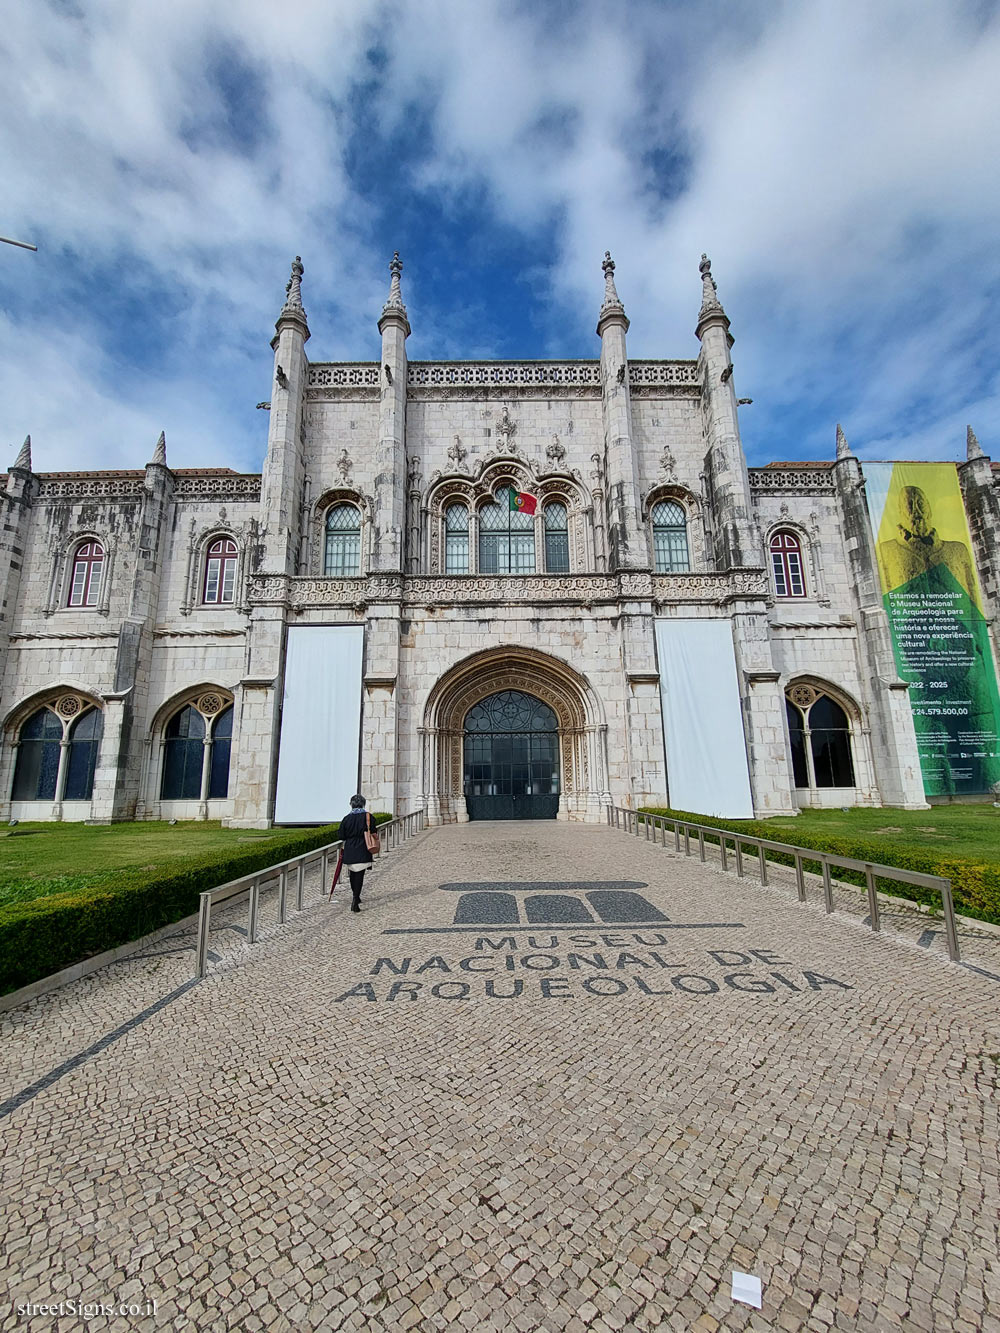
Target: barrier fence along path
(392,834)
(633,820)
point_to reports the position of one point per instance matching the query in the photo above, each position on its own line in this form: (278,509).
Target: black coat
(352,832)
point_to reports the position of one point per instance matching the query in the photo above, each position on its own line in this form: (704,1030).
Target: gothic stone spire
(843,448)
(23,460)
(710,303)
(160,452)
(611,307)
(973,449)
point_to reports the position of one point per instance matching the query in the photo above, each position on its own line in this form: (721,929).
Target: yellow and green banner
(939,633)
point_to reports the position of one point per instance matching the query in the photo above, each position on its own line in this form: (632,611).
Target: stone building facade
(145,614)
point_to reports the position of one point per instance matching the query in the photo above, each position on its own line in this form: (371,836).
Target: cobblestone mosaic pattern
(394,1120)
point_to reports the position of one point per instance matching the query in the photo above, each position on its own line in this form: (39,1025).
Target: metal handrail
(393,832)
(872,870)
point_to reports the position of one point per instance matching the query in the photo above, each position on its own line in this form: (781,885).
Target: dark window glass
(222,740)
(831,744)
(556,539)
(786,565)
(670,542)
(797,738)
(343,542)
(220,572)
(506,537)
(85,743)
(37,764)
(183,756)
(456,539)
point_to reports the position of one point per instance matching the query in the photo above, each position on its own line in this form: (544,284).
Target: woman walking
(357,857)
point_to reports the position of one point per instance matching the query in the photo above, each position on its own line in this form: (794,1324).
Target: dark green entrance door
(511,758)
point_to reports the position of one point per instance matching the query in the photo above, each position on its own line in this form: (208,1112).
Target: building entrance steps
(567,1118)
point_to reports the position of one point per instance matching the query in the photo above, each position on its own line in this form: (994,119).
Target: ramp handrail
(392,833)
(871,869)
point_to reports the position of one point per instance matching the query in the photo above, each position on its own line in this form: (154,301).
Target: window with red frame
(220,573)
(786,563)
(88,569)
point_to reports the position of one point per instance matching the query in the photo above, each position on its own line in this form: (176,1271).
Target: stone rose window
(57,752)
(670,538)
(786,565)
(219,587)
(88,567)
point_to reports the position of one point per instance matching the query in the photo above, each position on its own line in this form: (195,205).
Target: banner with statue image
(939,632)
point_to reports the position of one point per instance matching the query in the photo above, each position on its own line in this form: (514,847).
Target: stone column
(628,548)
(390,458)
(283,474)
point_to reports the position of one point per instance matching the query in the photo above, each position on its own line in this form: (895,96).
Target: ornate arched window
(184,756)
(786,564)
(556,538)
(820,735)
(506,537)
(342,554)
(670,538)
(196,750)
(88,568)
(456,539)
(219,585)
(37,767)
(40,750)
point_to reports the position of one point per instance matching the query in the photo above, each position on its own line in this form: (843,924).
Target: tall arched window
(220,572)
(506,537)
(37,766)
(222,740)
(786,565)
(88,568)
(670,539)
(184,756)
(556,538)
(342,557)
(84,747)
(456,539)
(820,735)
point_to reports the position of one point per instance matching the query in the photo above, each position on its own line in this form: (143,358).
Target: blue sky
(836,160)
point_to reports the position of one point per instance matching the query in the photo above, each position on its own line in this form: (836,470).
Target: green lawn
(38,860)
(972,831)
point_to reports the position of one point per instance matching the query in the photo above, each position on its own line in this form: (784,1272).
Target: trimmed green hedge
(975,886)
(44,935)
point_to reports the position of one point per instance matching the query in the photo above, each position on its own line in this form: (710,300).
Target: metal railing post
(701,844)
(282,896)
(762,856)
(949,922)
(872,897)
(687,839)
(723,852)
(645,820)
(677,836)
(827,885)
(800,879)
(300,883)
(739,855)
(204,925)
(254,909)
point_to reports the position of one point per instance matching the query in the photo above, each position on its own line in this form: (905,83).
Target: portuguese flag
(522,502)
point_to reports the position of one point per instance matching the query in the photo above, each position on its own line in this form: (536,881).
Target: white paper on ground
(747,1288)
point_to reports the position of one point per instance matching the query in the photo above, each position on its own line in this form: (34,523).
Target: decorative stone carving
(797,481)
(556,452)
(209,704)
(458,452)
(69,706)
(344,466)
(803,696)
(668,464)
(506,429)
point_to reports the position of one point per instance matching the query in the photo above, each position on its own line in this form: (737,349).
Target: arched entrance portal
(484,696)
(511,758)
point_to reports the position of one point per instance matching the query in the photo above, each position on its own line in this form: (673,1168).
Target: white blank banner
(702,718)
(320,740)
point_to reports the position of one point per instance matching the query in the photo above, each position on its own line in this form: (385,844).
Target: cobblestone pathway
(573,1089)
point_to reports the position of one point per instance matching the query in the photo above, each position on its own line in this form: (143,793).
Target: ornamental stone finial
(612,311)
(160,452)
(843,448)
(23,459)
(709,291)
(973,449)
(293,288)
(394,305)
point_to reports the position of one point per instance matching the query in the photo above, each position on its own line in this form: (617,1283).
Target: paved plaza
(551,1077)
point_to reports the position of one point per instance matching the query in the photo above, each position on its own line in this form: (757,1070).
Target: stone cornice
(585,590)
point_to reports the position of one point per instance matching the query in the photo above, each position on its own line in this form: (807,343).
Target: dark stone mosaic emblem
(549,903)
